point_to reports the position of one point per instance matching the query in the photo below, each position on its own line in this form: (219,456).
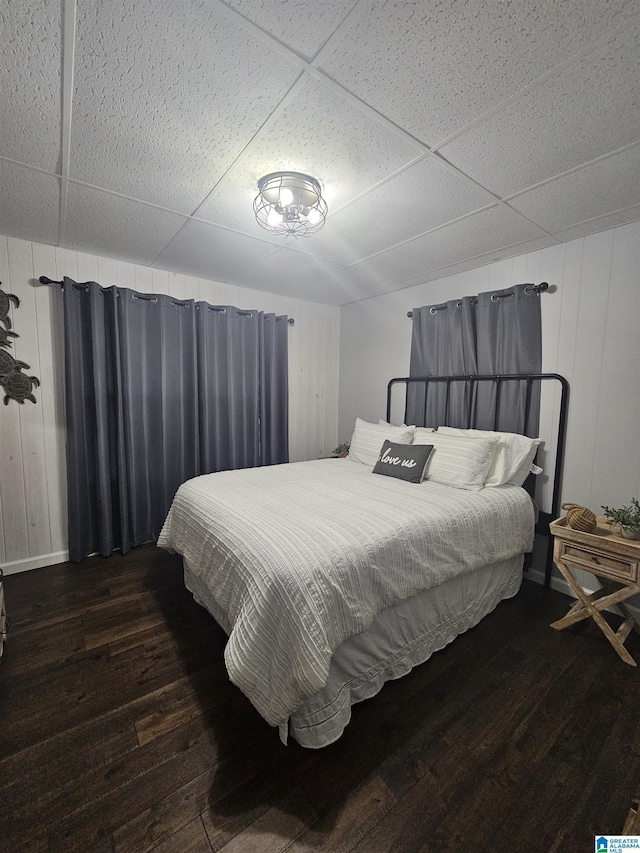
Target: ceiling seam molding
(365,108)
(68,60)
(418,278)
(574,169)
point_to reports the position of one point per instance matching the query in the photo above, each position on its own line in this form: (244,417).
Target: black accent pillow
(404,461)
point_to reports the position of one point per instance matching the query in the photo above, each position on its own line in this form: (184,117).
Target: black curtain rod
(533,288)
(46,280)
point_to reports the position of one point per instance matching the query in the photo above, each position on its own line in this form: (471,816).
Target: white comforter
(297,558)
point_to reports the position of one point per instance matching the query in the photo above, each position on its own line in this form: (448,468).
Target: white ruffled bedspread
(294,559)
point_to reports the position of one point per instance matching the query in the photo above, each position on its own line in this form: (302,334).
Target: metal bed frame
(470,383)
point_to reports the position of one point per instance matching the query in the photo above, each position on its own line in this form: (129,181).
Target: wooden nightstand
(614,561)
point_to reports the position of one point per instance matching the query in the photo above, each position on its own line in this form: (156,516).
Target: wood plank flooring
(120,732)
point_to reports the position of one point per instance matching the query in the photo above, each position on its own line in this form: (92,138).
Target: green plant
(342,449)
(625,516)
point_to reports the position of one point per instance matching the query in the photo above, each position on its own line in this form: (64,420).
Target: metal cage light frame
(290,204)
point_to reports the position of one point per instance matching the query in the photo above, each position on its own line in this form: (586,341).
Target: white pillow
(457,460)
(386,423)
(368,438)
(513,456)
(424,434)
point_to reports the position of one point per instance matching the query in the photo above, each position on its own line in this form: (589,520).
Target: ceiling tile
(106,224)
(595,190)
(587,110)
(30,63)
(346,288)
(422,197)
(303,25)
(320,134)
(204,251)
(432,66)
(30,203)
(167,95)
(288,272)
(467,238)
(600,223)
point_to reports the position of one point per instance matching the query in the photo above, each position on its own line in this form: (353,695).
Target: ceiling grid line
(291,93)
(68,60)
(139,132)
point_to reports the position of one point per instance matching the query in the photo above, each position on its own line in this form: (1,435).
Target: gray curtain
(498,332)
(158,391)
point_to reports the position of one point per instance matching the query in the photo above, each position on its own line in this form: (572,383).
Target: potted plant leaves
(627,517)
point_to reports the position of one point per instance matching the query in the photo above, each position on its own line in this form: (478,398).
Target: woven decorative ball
(580,518)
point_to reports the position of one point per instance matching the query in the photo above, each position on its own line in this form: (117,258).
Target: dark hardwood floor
(120,731)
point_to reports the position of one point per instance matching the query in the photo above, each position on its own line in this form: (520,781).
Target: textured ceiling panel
(186,105)
(320,134)
(587,110)
(167,95)
(287,267)
(434,65)
(420,198)
(600,223)
(586,193)
(109,225)
(458,241)
(303,25)
(205,251)
(30,63)
(361,282)
(30,203)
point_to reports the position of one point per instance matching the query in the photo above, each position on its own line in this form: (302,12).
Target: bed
(331,580)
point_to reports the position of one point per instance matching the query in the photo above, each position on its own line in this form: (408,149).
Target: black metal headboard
(469,383)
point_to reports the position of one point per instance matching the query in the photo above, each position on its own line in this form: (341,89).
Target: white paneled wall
(33,502)
(591,335)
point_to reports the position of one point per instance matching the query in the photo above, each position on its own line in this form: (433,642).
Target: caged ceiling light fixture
(290,204)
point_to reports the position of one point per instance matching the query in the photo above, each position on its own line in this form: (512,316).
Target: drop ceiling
(445,133)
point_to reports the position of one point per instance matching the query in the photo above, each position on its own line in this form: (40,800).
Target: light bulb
(286,196)
(314,216)
(274,218)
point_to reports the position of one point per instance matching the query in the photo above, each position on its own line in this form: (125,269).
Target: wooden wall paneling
(566,351)
(125,275)
(548,265)
(67,263)
(143,279)
(107,272)
(519,270)
(87,267)
(592,313)
(11,476)
(500,275)
(12,485)
(316,391)
(616,464)
(330,381)
(51,394)
(160,280)
(175,284)
(31,424)
(3,555)
(296,386)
